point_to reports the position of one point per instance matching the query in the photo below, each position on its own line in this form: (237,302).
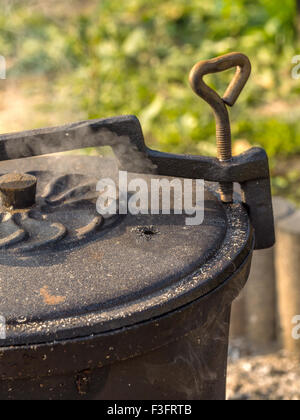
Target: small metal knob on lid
(17,190)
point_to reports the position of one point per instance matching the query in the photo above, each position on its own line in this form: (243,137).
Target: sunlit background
(79,59)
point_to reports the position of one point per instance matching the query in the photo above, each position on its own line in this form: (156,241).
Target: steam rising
(122,134)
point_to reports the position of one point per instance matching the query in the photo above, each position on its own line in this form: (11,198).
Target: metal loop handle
(216,65)
(218,104)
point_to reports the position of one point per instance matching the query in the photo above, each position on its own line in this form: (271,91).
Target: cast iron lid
(66,272)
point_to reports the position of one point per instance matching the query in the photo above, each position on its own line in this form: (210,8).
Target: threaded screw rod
(218,104)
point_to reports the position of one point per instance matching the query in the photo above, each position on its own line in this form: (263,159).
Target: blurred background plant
(97,58)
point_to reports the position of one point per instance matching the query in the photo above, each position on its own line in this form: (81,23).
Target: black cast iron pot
(129,306)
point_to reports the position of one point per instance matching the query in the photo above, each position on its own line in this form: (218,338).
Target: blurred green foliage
(134,57)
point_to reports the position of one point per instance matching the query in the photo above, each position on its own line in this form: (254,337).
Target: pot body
(179,356)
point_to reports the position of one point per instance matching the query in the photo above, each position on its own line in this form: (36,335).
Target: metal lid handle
(218,104)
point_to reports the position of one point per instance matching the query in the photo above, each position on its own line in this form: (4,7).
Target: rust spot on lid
(50,299)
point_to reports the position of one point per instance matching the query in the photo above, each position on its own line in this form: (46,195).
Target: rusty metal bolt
(218,104)
(17,190)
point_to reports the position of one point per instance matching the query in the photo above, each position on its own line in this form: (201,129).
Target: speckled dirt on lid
(50,299)
(127,270)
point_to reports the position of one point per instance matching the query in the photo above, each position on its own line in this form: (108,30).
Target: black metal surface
(115,277)
(124,135)
(258,200)
(135,362)
(124,349)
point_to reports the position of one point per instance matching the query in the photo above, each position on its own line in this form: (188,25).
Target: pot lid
(67,272)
